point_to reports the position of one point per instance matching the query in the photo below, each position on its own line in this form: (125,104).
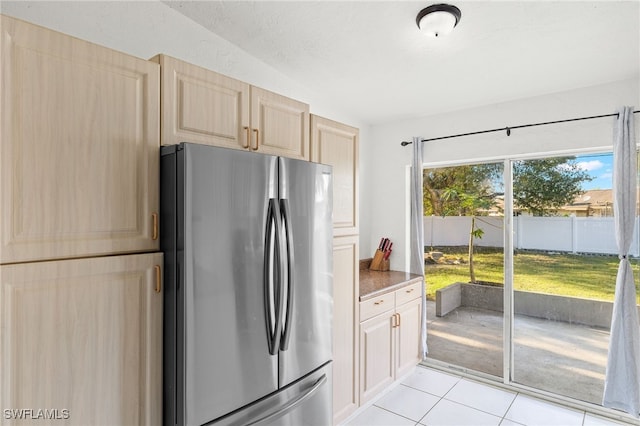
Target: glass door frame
(508,312)
(508,271)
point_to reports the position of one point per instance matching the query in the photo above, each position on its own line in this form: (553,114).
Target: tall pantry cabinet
(337,144)
(80,272)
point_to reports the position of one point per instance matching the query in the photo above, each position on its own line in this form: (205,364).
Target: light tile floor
(432,398)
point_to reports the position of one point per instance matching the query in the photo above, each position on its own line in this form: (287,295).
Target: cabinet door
(202,106)
(345,327)
(279,125)
(79,147)
(336,144)
(377,358)
(408,336)
(83,337)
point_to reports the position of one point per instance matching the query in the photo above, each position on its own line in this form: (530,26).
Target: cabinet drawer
(408,293)
(376,306)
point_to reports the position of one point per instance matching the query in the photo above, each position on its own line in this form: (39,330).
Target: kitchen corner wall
(385,200)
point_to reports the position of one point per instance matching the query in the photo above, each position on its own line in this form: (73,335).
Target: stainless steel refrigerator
(248,288)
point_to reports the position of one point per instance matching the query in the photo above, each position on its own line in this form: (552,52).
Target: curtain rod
(509,128)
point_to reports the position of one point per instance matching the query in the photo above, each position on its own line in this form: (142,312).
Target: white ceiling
(371,57)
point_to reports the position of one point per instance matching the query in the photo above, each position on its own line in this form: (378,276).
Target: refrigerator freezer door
(227,360)
(305,193)
(306,402)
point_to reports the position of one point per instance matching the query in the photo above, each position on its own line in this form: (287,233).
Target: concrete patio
(566,359)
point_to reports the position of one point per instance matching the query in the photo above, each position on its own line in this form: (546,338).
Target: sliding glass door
(464,227)
(540,315)
(564,274)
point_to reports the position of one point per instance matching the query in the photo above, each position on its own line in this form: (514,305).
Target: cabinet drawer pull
(379,302)
(396,321)
(158,279)
(248,140)
(410,290)
(257,132)
(154,220)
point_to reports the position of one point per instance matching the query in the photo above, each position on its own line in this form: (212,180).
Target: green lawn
(592,277)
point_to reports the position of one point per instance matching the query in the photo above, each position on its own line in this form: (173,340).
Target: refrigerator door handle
(273,293)
(286,215)
(291,405)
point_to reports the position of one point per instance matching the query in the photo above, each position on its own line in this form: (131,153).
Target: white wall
(386,204)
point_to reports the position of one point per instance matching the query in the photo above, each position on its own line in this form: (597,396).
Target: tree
(459,191)
(542,186)
(539,186)
(463,191)
(473,203)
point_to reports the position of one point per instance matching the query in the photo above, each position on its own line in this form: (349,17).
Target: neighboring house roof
(598,201)
(592,200)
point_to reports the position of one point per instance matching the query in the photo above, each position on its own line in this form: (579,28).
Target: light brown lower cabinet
(389,338)
(81,341)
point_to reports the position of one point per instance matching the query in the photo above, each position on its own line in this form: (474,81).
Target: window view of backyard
(552,273)
(564,264)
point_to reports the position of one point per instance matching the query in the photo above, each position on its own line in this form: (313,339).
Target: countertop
(375,283)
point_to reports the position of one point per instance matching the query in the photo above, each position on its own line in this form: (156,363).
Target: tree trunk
(436,203)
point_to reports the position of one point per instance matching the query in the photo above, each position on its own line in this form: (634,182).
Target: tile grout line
(394,413)
(425,392)
(477,409)
(444,397)
(432,407)
(504,417)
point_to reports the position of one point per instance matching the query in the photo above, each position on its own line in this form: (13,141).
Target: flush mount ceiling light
(438,19)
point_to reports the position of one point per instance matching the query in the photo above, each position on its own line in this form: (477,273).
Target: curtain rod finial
(405,143)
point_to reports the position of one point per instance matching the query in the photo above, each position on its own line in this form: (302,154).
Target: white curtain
(622,381)
(417,231)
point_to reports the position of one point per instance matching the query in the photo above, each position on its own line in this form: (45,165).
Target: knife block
(378,263)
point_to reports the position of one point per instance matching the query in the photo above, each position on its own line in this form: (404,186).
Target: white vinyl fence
(567,234)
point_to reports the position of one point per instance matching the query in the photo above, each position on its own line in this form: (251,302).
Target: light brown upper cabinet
(85,336)
(279,125)
(337,144)
(79,142)
(202,106)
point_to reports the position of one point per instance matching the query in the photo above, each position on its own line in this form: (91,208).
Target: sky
(600,167)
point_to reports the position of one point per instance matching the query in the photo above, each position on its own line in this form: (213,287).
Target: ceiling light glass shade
(439,19)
